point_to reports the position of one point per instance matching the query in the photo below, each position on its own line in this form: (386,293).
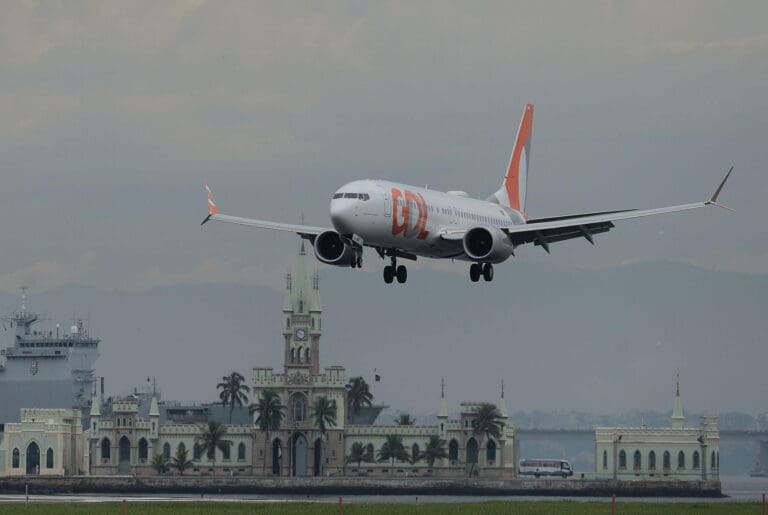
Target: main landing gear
(358,261)
(478,269)
(393,270)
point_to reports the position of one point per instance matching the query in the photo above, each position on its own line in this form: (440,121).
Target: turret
(503,402)
(154,416)
(678,420)
(95,412)
(442,414)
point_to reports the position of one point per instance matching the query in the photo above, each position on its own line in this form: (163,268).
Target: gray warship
(45,369)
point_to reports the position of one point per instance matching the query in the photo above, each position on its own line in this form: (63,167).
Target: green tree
(211,439)
(324,414)
(181,462)
(358,395)
(271,412)
(404,419)
(357,454)
(488,422)
(233,392)
(435,450)
(393,449)
(160,464)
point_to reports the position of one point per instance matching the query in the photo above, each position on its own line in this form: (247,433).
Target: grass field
(278,508)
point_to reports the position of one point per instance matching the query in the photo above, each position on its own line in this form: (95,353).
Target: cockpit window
(361,196)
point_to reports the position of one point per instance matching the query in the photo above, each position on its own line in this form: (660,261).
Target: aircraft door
(387,205)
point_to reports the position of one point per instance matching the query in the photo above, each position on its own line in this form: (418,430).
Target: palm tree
(180,461)
(324,414)
(435,450)
(211,439)
(358,395)
(160,464)
(488,422)
(233,391)
(271,412)
(357,454)
(404,420)
(393,449)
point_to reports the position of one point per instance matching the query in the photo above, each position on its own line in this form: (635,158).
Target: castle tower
(154,416)
(302,318)
(678,420)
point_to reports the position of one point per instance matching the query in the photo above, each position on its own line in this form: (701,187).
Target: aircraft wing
(544,231)
(305,231)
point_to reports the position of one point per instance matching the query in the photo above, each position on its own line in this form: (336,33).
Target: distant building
(122,435)
(677,452)
(47,442)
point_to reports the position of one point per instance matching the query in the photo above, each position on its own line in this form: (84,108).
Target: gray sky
(113,113)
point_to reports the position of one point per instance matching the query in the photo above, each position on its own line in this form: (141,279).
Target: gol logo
(403,212)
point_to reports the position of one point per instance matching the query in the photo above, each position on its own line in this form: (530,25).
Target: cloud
(47,274)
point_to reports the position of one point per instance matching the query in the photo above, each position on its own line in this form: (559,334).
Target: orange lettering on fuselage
(408,197)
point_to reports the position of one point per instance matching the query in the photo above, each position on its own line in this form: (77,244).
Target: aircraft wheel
(388,274)
(488,272)
(402,274)
(474,272)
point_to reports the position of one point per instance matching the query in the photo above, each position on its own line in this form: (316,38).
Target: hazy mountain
(605,341)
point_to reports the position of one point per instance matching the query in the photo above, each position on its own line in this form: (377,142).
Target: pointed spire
(678,419)
(154,410)
(443,413)
(95,404)
(503,402)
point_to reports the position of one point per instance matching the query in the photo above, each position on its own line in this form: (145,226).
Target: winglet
(212,210)
(713,199)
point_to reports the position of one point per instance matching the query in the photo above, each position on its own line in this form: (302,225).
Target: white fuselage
(393,215)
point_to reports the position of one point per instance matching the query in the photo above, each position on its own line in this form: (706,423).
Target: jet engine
(487,245)
(332,250)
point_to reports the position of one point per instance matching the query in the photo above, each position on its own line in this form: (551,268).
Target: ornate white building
(676,452)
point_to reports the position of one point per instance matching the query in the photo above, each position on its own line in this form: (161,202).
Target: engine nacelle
(487,245)
(331,249)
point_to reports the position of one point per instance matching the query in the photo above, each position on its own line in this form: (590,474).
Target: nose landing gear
(478,269)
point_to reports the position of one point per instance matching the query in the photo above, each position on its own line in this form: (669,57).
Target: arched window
(667,460)
(369,452)
(301,306)
(167,451)
(299,407)
(313,322)
(197,452)
(490,452)
(181,448)
(106,449)
(49,458)
(301,354)
(695,459)
(453,450)
(712,463)
(415,452)
(225,452)
(143,450)
(15,461)
(637,460)
(293,355)
(681,460)
(652,460)
(622,459)
(605,460)
(241,452)
(718,459)
(288,323)
(309,352)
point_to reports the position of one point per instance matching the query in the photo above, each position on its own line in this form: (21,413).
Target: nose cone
(342,214)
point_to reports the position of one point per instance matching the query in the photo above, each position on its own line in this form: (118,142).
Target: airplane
(401,221)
